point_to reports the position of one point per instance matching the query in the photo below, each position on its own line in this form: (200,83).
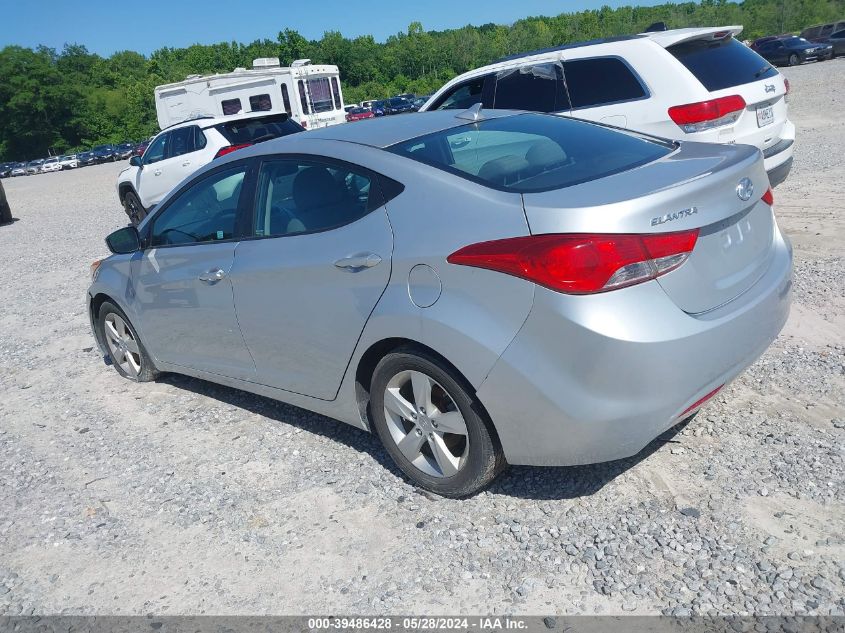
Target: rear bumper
(595,378)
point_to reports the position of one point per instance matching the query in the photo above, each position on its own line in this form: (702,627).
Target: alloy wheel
(426,424)
(122,345)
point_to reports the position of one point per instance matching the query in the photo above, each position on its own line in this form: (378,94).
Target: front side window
(321,94)
(205,212)
(600,81)
(303,99)
(156,150)
(231,106)
(305,196)
(532,152)
(839,35)
(462,97)
(286,98)
(538,87)
(336,93)
(260,103)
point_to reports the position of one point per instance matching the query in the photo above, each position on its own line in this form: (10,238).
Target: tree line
(62,101)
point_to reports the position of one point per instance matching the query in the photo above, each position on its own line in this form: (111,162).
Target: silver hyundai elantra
(480,288)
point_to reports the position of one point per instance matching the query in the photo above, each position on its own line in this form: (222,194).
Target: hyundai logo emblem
(745,189)
(770,88)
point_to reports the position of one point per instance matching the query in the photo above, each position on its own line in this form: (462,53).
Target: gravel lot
(180,497)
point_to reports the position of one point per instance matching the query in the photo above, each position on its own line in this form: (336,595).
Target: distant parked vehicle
(793,50)
(51,164)
(104,153)
(768,38)
(34,167)
(821,32)
(124,150)
(419,102)
(350,107)
(19,169)
(694,84)
(379,108)
(140,148)
(69,161)
(368,104)
(836,40)
(359,114)
(180,150)
(398,105)
(5,170)
(86,158)
(408,96)
(5,211)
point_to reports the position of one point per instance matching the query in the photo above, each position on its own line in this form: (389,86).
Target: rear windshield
(532,152)
(723,63)
(258,129)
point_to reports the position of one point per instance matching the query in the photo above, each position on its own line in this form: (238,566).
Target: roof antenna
(473,113)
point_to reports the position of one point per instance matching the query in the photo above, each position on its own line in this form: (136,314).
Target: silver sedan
(480,288)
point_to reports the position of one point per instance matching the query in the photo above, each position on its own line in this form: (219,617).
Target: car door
(317,264)
(181,282)
(149,184)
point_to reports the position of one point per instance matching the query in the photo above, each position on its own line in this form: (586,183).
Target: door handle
(359,261)
(157,172)
(213,276)
(186,163)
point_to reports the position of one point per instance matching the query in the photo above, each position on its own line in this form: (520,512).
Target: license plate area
(765,115)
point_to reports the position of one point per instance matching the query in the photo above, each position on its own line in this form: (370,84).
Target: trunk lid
(693,187)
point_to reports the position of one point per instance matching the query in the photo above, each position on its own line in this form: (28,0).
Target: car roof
(385,131)
(209,120)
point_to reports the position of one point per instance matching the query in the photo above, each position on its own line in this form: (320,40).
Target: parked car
(349,107)
(34,167)
(104,153)
(6,170)
(51,164)
(140,148)
(5,211)
(793,50)
(180,150)
(697,84)
(124,150)
(69,161)
(821,32)
(398,105)
(368,104)
(477,287)
(19,169)
(836,40)
(86,158)
(419,102)
(359,114)
(379,108)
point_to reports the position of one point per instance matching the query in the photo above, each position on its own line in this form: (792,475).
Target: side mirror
(135,161)
(124,241)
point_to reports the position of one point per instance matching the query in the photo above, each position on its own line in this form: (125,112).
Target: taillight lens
(582,263)
(768,197)
(230,148)
(704,115)
(786,84)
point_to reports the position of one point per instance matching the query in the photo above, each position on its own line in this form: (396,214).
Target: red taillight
(582,263)
(304,123)
(230,148)
(695,117)
(768,197)
(786,84)
(700,402)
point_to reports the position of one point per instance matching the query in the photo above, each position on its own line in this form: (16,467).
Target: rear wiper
(762,70)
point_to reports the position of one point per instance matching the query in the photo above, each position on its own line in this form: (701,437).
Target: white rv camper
(309,93)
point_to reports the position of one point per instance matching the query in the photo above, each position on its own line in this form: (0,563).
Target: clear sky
(145,25)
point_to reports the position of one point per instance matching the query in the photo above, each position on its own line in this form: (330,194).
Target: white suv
(180,150)
(697,84)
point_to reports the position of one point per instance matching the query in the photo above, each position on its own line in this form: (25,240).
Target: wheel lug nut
(434,424)
(419,432)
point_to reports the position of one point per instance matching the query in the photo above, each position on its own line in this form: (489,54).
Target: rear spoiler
(677,36)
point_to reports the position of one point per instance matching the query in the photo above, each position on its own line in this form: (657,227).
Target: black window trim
(646,91)
(166,149)
(488,85)
(241,225)
(383,183)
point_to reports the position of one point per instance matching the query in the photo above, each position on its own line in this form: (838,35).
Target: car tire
(125,349)
(450,464)
(794,60)
(133,207)
(5,212)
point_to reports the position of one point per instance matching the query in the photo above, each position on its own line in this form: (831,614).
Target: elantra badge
(669,217)
(745,189)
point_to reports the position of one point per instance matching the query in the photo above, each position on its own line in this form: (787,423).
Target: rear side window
(336,93)
(722,64)
(302,98)
(258,129)
(231,106)
(601,80)
(538,87)
(532,152)
(462,97)
(260,103)
(286,98)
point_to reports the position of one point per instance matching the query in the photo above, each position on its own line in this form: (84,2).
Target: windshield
(532,152)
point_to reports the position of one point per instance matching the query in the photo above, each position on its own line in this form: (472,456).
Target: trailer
(309,93)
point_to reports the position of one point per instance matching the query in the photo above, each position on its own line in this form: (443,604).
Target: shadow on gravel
(527,482)
(9,222)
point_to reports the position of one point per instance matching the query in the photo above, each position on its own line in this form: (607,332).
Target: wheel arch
(124,188)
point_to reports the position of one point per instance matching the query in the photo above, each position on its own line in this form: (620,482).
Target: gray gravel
(184,497)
